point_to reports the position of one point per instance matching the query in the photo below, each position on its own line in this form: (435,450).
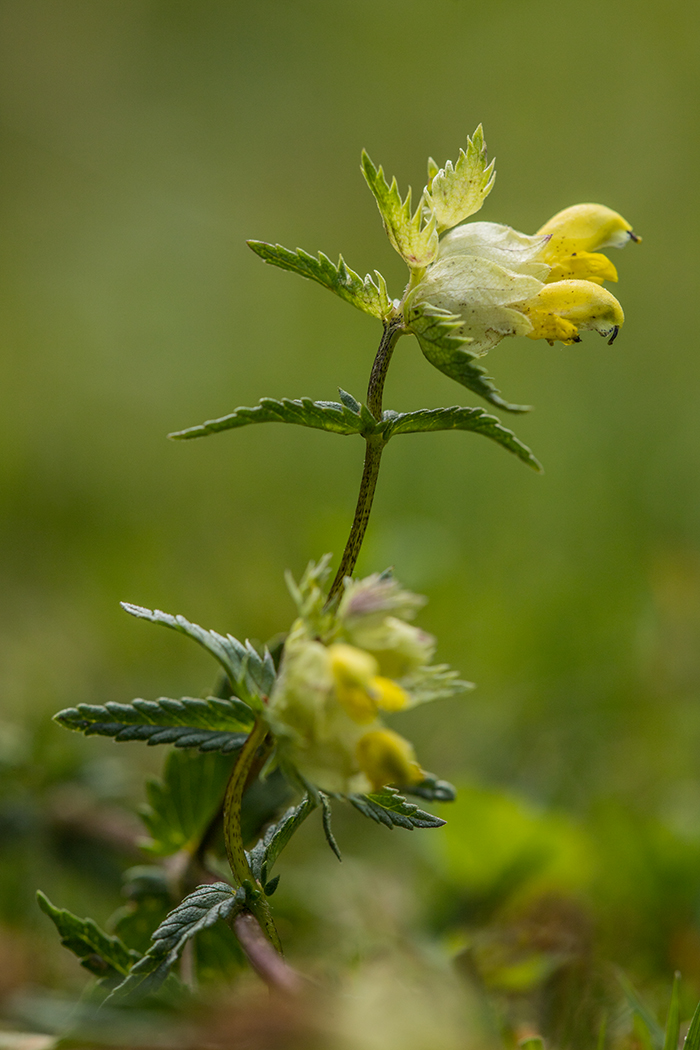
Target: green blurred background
(142,143)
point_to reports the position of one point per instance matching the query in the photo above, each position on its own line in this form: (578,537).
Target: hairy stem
(232,832)
(373,455)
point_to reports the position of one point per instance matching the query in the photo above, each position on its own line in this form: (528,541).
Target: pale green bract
(456,192)
(414,236)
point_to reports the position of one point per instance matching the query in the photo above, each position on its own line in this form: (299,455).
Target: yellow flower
(340,671)
(574,237)
(548,286)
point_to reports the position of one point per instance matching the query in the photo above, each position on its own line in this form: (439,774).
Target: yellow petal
(353,671)
(386,758)
(585,228)
(560,310)
(389,695)
(583,266)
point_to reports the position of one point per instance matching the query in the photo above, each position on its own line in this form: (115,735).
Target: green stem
(373,454)
(232,831)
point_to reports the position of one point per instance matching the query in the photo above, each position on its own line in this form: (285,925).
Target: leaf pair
(350,417)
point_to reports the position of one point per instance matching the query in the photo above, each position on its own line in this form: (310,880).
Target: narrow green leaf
(366,294)
(250,674)
(183,804)
(210,725)
(456,418)
(531,1042)
(458,192)
(642,1011)
(327,828)
(391,809)
(201,909)
(692,1039)
(319,415)
(673,1021)
(436,331)
(264,854)
(413,238)
(105,956)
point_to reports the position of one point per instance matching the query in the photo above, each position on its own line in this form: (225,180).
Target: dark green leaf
(200,910)
(210,725)
(327,829)
(333,416)
(673,1021)
(433,790)
(365,294)
(250,674)
(183,804)
(435,330)
(390,808)
(456,418)
(105,956)
(263,856)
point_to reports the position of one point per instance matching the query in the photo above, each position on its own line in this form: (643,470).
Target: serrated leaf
(210,725)
(264,854)
(457,192)
(107,957)
(391,809)
(367,294)
(455,418)
(203,908)
(331,416)
(433,790)
(182,805)
(436,330)
(250,674)
(415,239)
(673,1021)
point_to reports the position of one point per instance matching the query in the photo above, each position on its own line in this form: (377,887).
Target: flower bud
(386,758)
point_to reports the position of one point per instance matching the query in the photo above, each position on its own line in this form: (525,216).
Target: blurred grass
(142,142)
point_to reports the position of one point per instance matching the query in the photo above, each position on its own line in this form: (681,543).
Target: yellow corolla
(500,282)
(559,310)
(575,236)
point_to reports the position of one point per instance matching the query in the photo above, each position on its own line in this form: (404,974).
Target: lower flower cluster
(343,670)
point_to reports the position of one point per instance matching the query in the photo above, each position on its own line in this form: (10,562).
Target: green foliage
(262,857)
(183,804)
(366,294)
(391,809)
(415,240)
(332,416)
(148,902)
(458,192)
(692,1039)
(106,957)
(251,675)
(327,828)
(436,330)
(210,725)
(456,418)
(433,790)
(652,1028)
(351,417)
(201,909)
